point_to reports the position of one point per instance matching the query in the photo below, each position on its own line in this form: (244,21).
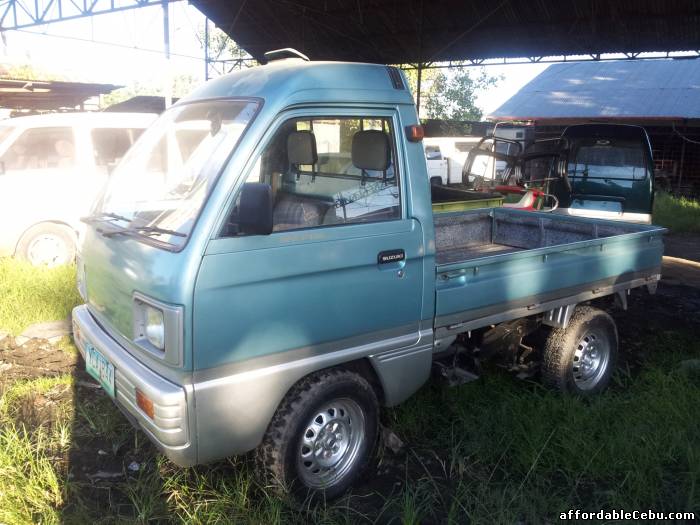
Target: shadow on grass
(112,472)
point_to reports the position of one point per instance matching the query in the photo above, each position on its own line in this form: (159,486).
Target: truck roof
(296,81)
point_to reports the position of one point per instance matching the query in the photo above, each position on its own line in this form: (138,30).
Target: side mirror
(255,209)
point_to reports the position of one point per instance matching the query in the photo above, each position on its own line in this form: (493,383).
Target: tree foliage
(450,94)
(181,85)
(453,96)
(29,72)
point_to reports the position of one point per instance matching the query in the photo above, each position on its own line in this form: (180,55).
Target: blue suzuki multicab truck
(264,270)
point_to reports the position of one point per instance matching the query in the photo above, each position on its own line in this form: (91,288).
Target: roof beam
(20,14)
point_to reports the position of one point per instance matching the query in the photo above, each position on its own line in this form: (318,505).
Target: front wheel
(323,435)
(580,358)
(47,244)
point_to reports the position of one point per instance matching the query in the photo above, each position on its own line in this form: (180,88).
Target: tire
(304,423)
(580,359)
(47,244)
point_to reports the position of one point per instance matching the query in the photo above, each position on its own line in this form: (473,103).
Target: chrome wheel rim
(331,443)
(591,360)
(47,250)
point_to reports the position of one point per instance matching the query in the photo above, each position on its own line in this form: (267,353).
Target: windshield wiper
(156,230)
(143,230)
(104,217)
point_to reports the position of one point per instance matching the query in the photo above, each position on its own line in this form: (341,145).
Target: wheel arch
(241,406)
(65,224)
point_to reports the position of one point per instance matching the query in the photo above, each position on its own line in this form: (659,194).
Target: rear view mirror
(255,209)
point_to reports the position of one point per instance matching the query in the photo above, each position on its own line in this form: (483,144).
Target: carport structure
(422,33)
(426,31)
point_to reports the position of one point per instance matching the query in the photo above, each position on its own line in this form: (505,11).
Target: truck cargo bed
(499,264)
(460,237)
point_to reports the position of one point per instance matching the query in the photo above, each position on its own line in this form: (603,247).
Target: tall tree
(452,95)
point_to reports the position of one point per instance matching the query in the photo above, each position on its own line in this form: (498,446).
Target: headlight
(158,328)
(155,327)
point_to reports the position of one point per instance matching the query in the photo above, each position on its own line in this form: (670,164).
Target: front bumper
(169,428)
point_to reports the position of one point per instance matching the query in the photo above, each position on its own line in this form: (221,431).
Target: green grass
(30,295)
(31,474)
(678,214)
(515,452)
(494,451)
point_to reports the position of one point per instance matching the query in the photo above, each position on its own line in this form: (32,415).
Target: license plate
(100,368)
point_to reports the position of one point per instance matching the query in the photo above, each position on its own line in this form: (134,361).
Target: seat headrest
(301,148)
(370,150)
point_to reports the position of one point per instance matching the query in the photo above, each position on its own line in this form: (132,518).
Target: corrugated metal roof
(625,89)
(48,95)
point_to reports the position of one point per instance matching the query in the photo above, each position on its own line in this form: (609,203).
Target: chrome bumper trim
(169,428)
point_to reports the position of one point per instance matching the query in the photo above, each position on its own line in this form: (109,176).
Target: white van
(51,169)
(446,157)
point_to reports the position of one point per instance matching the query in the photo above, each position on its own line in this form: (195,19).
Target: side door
(342,268)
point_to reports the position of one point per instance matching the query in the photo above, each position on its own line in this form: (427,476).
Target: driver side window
(328,171)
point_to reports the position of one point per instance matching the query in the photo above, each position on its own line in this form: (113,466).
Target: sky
(126,47)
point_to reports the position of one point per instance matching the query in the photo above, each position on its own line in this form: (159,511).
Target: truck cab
(609,173)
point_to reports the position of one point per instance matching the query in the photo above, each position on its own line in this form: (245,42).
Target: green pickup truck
(247,289)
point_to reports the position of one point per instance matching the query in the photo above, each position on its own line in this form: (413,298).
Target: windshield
(163,181)
(607,159)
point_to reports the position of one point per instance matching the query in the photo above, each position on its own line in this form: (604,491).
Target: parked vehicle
(446,156)
(609,173)
(600,171)
(51,169)
(252,295)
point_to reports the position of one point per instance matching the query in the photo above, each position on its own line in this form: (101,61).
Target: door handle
(391,256)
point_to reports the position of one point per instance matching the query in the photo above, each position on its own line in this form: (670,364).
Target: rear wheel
(47,244)
(323,435)
(580,358)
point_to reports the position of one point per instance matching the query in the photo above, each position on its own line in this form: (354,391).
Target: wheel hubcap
(331,443)
(47,250)
(590,360)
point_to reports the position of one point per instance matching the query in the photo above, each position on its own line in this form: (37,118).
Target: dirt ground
(682,259)
(35,358)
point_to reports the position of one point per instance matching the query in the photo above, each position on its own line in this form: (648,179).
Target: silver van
(51,168)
